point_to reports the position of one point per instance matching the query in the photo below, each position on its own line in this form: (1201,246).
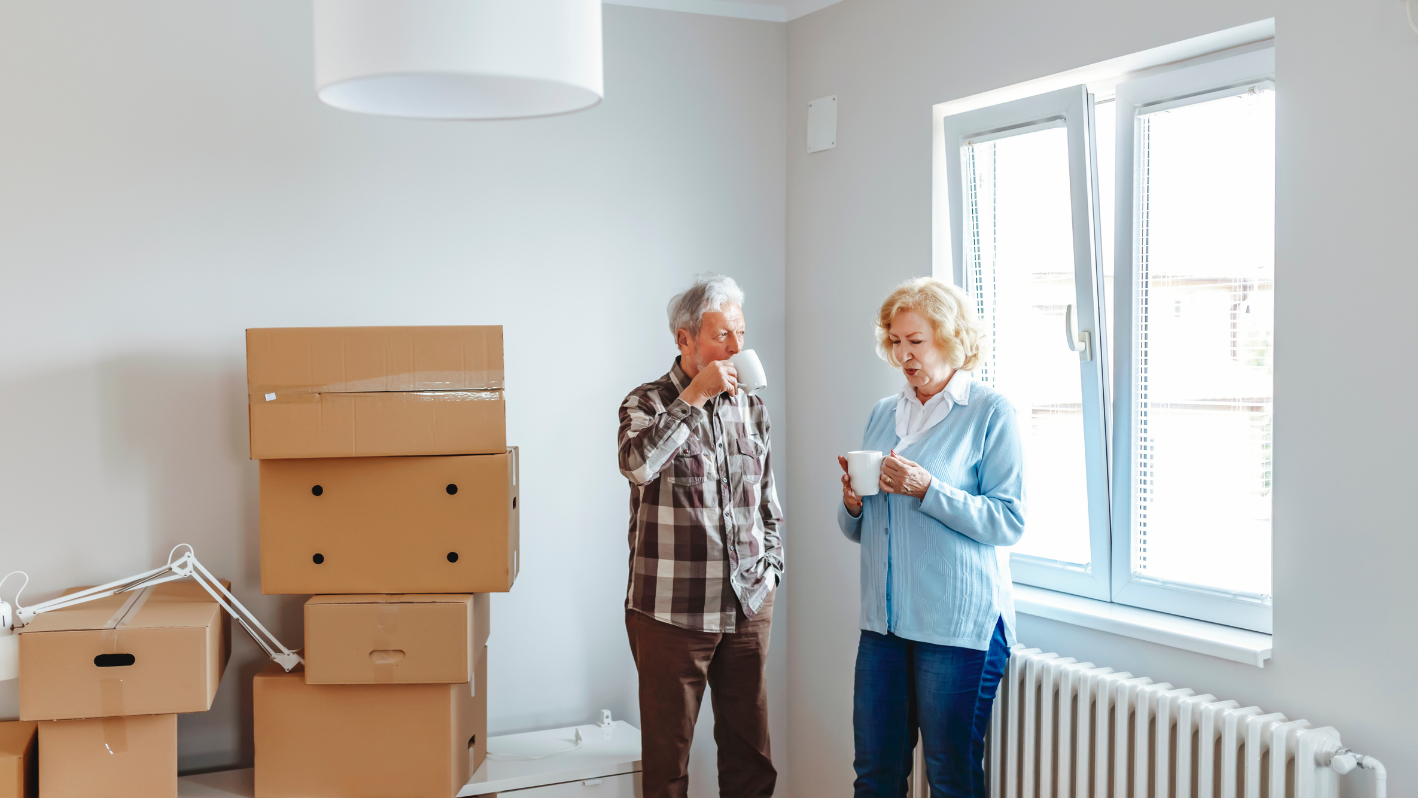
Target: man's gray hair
(710,292)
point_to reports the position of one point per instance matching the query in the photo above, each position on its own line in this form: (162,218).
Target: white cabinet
(591,761)
(626,785)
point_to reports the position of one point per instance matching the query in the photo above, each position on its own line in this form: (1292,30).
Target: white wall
(167,179)
(859,222)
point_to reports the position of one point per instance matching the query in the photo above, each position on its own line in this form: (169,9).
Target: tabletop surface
(514,762)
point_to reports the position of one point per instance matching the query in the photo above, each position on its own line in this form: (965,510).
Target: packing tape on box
(406,382)
(384,651)
(295,397)
(112,705)
(115,726)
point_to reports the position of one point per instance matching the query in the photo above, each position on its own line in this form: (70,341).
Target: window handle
(1080,341)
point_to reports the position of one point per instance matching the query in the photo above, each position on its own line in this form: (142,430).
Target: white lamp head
(459,59)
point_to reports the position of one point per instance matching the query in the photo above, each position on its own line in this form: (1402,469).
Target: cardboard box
(133,757)
(154,651)
(390,524)
(394,639)
(19,760)
(366,740)
(286,360)
(377,424)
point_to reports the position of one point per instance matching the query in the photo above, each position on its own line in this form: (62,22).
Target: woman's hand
(850,499)
(899,475)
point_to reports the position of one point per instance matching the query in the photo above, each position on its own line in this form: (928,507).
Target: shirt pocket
(687,466)
(750,456)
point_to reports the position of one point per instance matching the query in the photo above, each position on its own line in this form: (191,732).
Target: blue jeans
(944,691)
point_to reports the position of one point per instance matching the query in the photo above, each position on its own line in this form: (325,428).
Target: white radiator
(1068,729)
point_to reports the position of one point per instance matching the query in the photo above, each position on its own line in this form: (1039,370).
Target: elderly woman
(937,606)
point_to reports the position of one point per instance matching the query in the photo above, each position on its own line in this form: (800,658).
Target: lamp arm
(189,566)
(24,615)
(181,568)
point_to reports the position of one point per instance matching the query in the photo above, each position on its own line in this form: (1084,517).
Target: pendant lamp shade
(459,59)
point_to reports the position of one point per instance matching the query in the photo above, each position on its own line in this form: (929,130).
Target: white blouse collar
(909,407)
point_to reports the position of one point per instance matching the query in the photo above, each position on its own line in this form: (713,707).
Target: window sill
(1211,639)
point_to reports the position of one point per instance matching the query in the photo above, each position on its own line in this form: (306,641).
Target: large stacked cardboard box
(389,491)
(106,680)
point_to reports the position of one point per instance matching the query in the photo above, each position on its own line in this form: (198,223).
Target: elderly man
(706,550)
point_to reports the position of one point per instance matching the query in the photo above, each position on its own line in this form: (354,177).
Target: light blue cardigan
(937,576)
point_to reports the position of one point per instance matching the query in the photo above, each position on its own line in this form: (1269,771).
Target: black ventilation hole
(452,556)
(472,741)
(317,490)
(114,660)
(514,502)
(452,489)
(318,558)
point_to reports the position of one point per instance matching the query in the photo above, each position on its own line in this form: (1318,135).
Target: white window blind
(1192,522)
(1020,272)
(1026,252)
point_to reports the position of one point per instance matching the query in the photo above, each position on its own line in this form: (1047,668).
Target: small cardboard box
(375,391)
(389,524)
(322,360)
(154,651)
(19,760)
(134,757)
(394,639)
(284,360)
(366,740)
(377,424)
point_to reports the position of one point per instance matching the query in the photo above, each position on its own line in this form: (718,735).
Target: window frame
(1134,98)
(1238,62)
(1073,108)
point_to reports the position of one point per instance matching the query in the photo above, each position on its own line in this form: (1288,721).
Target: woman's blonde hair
(958,336)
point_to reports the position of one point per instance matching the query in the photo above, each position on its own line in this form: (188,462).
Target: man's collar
(678,377)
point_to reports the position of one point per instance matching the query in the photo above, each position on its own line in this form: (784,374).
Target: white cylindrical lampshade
(459,59)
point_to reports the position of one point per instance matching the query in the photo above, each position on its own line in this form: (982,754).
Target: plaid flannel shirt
(705,526)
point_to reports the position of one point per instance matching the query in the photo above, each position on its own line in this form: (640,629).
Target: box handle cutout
(114,660)
(387,656)
(514,502)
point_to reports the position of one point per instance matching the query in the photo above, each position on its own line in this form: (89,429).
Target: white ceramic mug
(750,371)
(864,468)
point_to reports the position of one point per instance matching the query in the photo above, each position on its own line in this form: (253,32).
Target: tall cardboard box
(154,651)
(366,740)
(132,757)
(394,639)
(19,760)
(375,391)
(390,524)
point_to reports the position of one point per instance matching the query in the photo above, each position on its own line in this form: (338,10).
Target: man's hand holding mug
(715,378)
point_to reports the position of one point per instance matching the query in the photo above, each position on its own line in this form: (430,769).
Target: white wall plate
(822,124)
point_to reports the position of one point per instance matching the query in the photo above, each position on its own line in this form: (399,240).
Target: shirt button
(728,513)
(726,480)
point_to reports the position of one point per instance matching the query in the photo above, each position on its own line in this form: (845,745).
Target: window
(1121,255)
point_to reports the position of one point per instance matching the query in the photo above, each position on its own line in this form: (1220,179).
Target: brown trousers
(674,666)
